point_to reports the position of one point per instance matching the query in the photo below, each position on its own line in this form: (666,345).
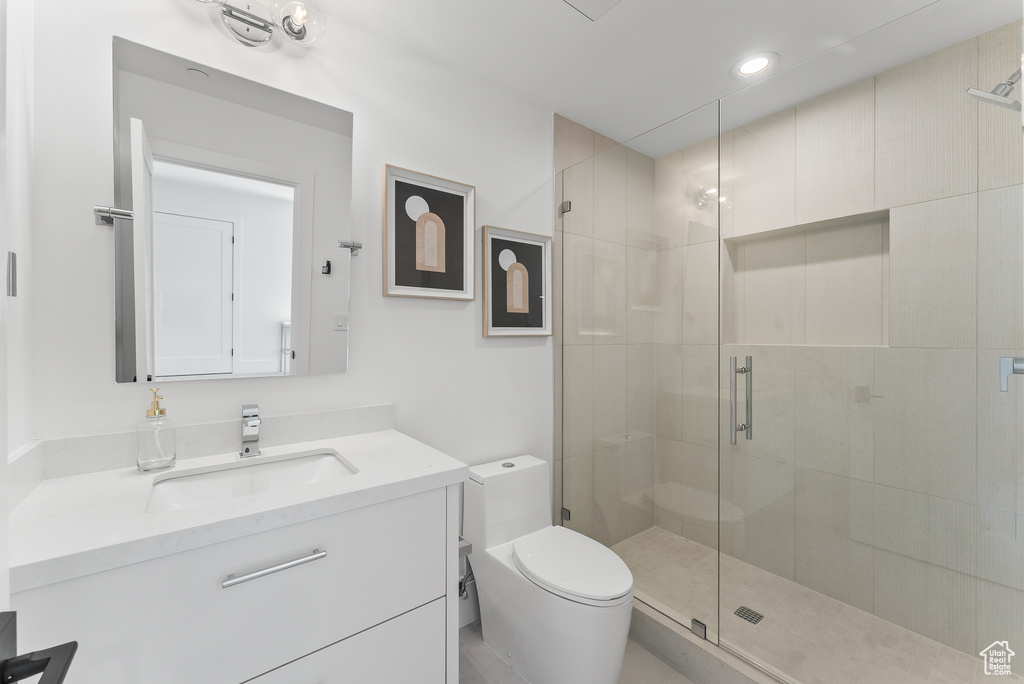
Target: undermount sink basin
(257,475)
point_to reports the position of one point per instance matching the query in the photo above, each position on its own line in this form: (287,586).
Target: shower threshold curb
(698,659)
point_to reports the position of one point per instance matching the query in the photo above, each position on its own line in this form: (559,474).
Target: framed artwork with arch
(517,283)
(428,236)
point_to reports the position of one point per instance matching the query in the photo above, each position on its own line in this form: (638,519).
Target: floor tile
(478,664)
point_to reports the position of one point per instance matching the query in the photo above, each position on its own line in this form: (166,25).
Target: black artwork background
(450,208)
(530,256)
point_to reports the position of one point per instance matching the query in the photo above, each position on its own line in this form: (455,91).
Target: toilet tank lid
(479,473)
(571,564)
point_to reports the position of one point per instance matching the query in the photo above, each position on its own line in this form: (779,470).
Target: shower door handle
(749,375)
(748,426)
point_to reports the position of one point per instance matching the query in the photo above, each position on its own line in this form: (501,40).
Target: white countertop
(69,527)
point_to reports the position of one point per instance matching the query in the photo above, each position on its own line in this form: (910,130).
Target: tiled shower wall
(871,265)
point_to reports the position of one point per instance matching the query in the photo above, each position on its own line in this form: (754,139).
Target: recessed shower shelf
(881,215)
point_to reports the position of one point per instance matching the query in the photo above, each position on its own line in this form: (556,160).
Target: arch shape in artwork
(430,243)
(517,288)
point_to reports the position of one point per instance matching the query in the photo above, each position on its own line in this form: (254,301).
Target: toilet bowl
(554,604)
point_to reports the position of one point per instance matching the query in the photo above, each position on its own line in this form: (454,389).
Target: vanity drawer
(170,620)
(408,648)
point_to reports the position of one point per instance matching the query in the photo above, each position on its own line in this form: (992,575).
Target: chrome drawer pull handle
(232,580)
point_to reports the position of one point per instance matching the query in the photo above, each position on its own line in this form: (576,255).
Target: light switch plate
(341,321)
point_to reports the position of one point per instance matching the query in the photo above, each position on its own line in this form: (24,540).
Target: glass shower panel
(639,344)
(872,246)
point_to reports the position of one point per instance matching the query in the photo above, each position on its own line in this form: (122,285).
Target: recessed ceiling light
(755,65)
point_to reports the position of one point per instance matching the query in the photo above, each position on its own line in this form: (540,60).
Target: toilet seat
(573,566)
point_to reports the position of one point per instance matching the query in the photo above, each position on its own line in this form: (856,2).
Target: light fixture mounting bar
(250,28)
(248,18)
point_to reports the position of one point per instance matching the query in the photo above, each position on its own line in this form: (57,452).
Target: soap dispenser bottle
(156,436)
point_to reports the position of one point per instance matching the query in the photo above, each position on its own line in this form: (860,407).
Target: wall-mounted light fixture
(253,24)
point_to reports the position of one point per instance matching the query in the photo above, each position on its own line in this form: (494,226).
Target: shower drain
(749,615)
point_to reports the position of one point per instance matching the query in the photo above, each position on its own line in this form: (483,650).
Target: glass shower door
(873,270)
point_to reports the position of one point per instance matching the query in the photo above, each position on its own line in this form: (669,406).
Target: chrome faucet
(250,430)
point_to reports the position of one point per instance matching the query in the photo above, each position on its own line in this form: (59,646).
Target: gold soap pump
(154,406)
(156,437)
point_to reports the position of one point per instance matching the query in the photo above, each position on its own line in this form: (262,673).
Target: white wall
(12,190)
(18,209)
(476,399)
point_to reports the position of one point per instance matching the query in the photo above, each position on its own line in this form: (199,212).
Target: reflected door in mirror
(192,284)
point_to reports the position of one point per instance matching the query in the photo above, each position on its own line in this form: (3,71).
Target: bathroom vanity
(330,561)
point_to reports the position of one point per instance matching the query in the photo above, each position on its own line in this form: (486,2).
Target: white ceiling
(646,62)
(218,180)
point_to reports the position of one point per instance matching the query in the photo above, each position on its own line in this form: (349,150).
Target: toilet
(554,604)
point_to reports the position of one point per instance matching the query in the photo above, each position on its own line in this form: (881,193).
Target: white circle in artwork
(506,258)
(416,206)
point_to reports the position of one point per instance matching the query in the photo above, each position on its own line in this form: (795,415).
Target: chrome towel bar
(105,215)
(352,245)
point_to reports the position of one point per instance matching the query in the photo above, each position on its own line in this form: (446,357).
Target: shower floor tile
(805,637)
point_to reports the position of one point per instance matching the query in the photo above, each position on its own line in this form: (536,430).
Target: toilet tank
(505,500)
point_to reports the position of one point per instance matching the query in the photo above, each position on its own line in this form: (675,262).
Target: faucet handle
(1008,366)
(250,410)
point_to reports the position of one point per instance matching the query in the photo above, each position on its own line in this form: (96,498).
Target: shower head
(994,98)
(1000,94)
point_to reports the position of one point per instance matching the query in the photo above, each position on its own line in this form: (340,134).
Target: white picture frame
(429,222)
(517,281)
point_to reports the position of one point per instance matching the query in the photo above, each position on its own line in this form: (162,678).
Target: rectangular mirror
(240,193)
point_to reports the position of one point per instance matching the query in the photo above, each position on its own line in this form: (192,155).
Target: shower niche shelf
(882,215)
(817,284)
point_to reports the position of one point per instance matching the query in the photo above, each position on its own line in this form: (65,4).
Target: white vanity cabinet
(407,649)
(378,607)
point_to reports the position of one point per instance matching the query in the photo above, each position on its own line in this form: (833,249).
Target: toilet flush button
(506,464)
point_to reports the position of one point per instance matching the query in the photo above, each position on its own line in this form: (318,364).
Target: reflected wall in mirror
(240,194)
